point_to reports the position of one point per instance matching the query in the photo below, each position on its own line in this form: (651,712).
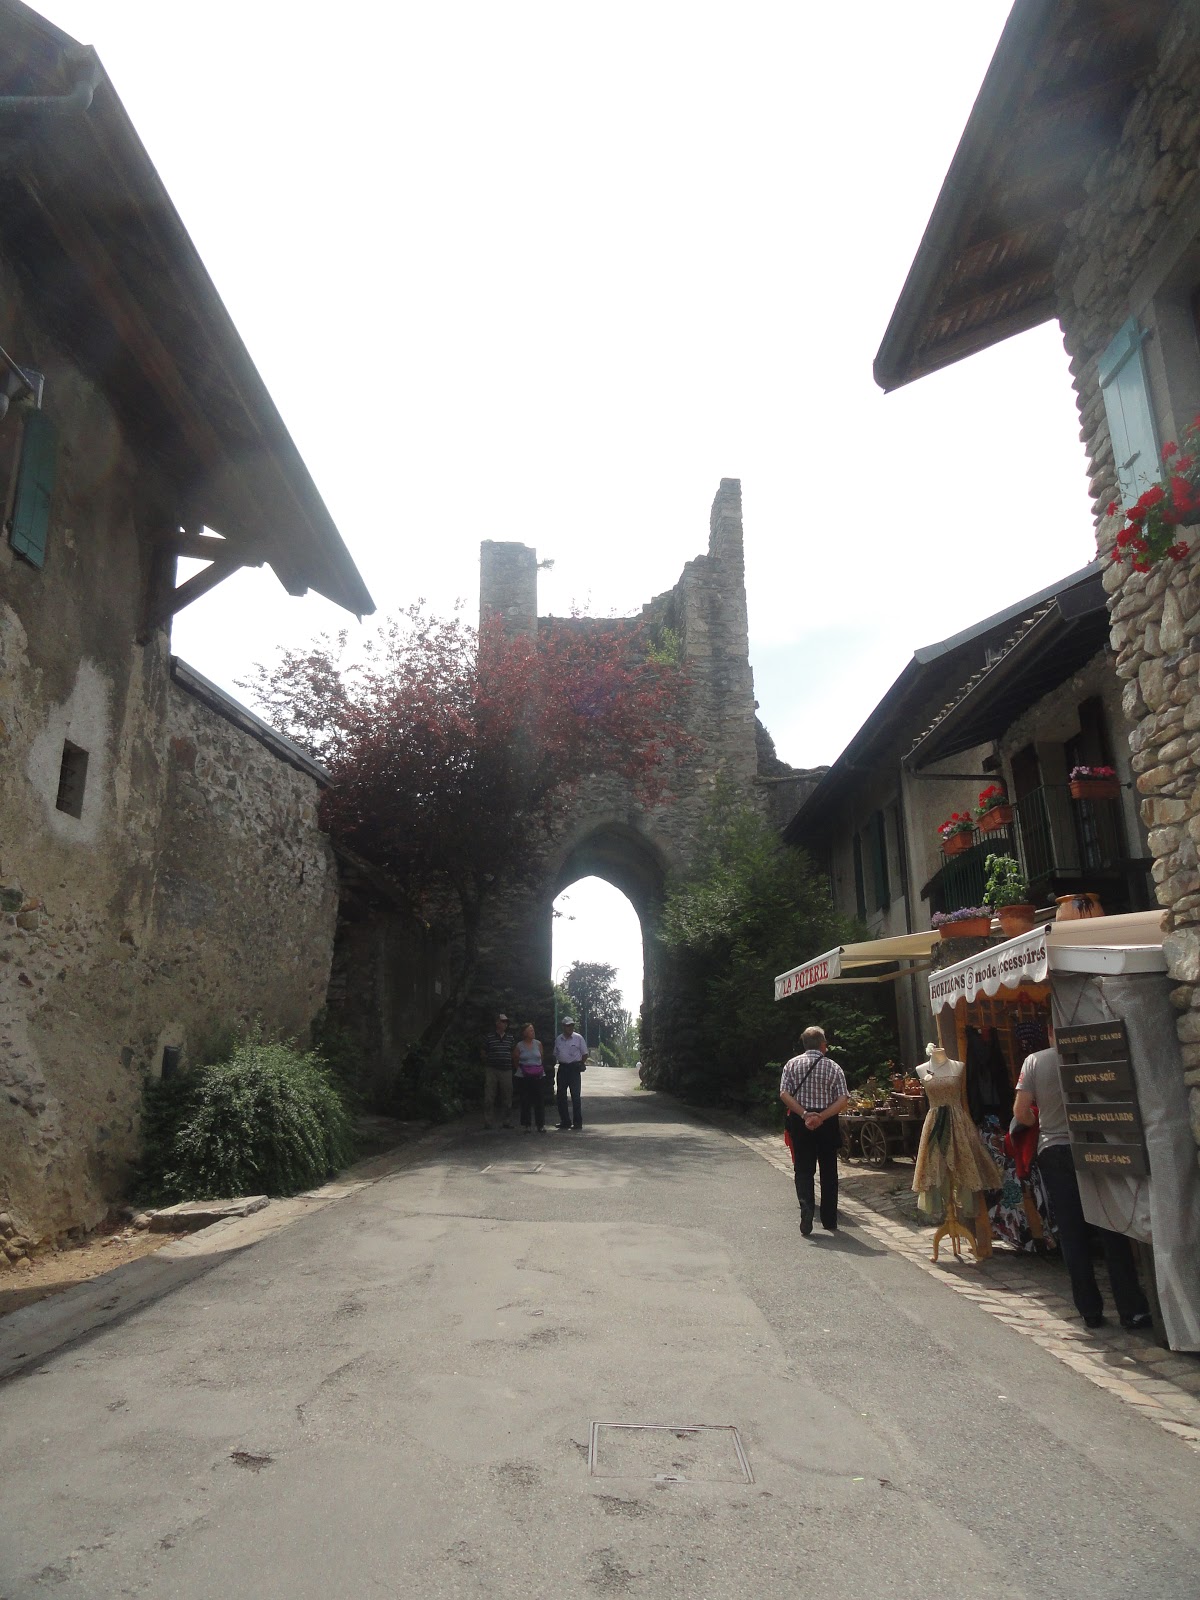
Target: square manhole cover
(702,1452)
(513,1169)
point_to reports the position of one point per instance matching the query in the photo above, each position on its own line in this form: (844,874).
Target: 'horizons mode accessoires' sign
(1022,960)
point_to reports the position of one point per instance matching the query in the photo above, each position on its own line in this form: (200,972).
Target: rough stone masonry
(1133,248)
(609,833)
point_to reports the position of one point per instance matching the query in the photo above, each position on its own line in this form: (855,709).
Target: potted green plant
(1006,890)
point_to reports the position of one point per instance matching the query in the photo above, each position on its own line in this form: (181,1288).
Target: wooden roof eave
(92,182)
(1000,180)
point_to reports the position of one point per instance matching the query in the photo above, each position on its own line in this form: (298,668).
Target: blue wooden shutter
(860,893)
(35,487)
(1130,420)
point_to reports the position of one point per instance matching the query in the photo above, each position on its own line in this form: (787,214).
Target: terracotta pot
(1016,919)
(1094,788)
(968,928)
(997,817)
(957,843)
(1071,907)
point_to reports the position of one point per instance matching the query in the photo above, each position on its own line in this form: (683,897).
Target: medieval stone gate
(606,832)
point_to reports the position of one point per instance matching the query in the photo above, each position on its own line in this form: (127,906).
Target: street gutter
(30,1335)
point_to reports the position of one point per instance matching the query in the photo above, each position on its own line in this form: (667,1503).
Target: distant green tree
(592,989)
(750,908)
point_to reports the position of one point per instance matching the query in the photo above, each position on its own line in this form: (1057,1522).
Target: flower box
(1094,788)
(997,817)
(968,928)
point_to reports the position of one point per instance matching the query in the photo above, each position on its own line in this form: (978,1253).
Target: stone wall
(192,891)
(1133,249)
(605,830)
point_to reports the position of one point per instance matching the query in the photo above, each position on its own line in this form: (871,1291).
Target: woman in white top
(527,1061)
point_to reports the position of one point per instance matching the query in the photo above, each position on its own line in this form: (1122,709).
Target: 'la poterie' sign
(808,976)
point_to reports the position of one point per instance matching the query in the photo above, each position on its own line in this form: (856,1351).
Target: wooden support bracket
(166,597)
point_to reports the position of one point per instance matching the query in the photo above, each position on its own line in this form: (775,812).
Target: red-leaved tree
(451,749)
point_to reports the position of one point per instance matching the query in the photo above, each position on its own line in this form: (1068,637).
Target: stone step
(189,1215)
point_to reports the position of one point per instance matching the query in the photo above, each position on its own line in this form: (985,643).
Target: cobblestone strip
(1163,1385)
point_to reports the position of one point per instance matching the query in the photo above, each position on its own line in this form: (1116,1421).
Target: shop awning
(873,961)
(1130,943)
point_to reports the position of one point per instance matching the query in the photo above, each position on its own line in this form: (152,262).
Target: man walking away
(1040,1085)
(571,1053)
(813,1089)
(497,1058)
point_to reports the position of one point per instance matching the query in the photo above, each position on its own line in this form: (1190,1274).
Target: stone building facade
(606,831)
(1075,194)
(163,877)
(1132,250)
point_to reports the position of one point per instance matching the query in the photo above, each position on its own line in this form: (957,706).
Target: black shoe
(563,1127)
(806,1220)
(1140,1319)
(1096,1322)
(830,1227)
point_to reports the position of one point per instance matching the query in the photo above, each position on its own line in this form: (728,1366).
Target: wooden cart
(875,1137)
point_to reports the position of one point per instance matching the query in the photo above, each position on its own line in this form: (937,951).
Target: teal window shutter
(1130,420)
(35,487)
(879,862)
(860,893)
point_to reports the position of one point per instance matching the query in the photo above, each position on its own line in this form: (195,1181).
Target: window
(72,779)
(1127,406)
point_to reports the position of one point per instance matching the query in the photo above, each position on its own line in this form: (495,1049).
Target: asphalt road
(394,1396)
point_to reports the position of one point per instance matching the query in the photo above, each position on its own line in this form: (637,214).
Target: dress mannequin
(953,1164)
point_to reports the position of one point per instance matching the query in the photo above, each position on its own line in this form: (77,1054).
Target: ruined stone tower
(607,832)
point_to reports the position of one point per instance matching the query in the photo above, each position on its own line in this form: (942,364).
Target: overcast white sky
(548,271)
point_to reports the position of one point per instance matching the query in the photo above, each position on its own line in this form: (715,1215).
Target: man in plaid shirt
(813,1088)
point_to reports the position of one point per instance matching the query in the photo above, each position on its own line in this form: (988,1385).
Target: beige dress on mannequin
(951,1157)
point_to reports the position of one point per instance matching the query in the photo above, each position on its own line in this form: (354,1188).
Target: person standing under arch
(571,1053)
(527,1062)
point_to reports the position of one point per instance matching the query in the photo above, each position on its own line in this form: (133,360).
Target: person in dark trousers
(813,1089)
(1040,1086)
(496,1054)
(571,1053)
(531,1078)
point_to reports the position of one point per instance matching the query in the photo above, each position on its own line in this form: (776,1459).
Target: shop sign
(1125,1159)
(808,976)
(1106,1133)
(1096,1077)
(1105,1116)
(1020,961)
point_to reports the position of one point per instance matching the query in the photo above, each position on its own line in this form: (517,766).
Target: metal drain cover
(701,1452)
(513,1169)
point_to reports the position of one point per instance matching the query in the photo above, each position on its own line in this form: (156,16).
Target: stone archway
(626,857)
(605,831)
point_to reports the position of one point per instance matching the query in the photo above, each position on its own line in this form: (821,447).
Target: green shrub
(268,1120)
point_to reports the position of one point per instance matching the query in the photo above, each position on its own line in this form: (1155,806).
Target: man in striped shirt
(813,1088)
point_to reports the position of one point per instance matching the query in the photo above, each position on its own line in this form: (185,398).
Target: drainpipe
(906,886)
(89,74)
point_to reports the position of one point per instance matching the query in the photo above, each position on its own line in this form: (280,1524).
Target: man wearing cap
(496,1055)
(571,1053)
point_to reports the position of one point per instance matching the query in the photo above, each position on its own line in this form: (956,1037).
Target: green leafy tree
(750,908)
(592,989)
